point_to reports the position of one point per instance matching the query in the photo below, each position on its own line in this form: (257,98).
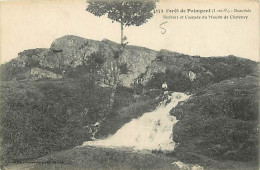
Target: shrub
(176,81)
(46,116)
(220,121)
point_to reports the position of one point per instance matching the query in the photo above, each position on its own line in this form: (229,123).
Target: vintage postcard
(129,84)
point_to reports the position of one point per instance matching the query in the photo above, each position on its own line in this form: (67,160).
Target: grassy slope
(126,108)
(43,116)
(120,158)
(53,114)
(219,123)
(187,134)
(105,158)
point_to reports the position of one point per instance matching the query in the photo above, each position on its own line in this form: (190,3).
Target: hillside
(220,122)
(51,95)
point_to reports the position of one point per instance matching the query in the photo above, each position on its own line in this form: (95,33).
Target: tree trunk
(122,34)
(116,70)
(112,96)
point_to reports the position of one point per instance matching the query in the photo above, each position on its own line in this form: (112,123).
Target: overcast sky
(31,24)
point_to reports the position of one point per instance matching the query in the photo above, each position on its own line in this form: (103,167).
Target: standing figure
(164,86)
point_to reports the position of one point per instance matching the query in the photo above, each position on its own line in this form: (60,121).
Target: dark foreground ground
(100,158)
(91,158)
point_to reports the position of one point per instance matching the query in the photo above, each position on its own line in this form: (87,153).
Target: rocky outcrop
(137,60)
(30,57)
(172,61)
(68,52)
(37,73)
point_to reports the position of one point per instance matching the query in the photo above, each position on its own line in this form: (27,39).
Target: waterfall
(152,131)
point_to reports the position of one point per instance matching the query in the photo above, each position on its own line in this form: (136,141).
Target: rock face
(137,60)
(37,73)
(167,60)
(30,57)
(68,52)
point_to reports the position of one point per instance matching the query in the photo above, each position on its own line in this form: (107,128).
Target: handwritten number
(163,31)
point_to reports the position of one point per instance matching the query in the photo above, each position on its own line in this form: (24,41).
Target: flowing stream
(152,131)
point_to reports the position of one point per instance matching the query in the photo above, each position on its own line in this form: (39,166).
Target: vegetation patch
(220,122)
(45,116)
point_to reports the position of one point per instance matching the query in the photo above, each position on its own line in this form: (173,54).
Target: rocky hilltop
(68,52)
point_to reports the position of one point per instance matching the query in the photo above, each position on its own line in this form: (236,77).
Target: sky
(28,24)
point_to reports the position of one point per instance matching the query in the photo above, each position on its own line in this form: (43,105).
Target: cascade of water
(152,131)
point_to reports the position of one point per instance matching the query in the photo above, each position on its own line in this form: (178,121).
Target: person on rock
(164,86)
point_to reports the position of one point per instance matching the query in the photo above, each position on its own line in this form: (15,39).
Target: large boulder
(68,52)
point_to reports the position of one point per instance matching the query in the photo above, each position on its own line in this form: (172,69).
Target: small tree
(127,13)
(93,64)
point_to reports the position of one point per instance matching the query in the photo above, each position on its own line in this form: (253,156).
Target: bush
(46,116)
(220,121)
(8,72)
(176,81)
(156,81)
(208,70)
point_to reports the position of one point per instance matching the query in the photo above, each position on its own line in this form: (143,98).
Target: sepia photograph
(129,84)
